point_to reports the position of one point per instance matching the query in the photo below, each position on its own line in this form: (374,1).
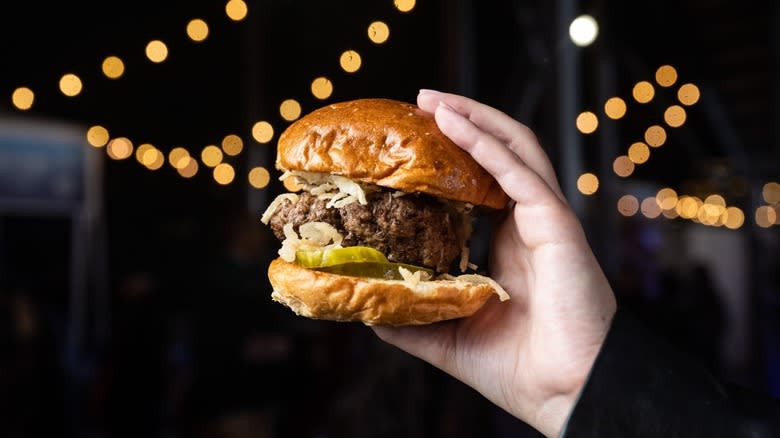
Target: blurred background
(136,156)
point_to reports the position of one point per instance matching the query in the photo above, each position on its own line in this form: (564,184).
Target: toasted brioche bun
(320,295)
(388,143)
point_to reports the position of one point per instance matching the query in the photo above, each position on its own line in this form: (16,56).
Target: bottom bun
(321,295)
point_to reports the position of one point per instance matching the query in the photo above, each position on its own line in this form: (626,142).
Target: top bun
(388,143)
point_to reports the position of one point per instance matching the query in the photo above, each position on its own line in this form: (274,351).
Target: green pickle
(358,261)
(337,256)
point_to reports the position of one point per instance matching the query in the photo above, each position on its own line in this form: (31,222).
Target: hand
(529,355)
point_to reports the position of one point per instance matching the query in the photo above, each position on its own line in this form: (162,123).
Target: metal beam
(568,75)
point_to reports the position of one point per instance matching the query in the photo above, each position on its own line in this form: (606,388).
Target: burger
(379,229)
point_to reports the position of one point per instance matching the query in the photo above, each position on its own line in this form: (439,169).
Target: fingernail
(428,91)
(444,105)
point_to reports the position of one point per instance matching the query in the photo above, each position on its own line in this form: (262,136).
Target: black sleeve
(642,387)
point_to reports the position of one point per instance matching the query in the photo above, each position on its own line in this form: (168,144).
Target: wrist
(555,410)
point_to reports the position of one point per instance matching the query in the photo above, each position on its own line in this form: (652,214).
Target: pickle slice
(339,256)
(385,270)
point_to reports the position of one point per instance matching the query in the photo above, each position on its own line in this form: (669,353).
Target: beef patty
(415,229)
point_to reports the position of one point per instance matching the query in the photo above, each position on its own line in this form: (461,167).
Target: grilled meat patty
(415,229)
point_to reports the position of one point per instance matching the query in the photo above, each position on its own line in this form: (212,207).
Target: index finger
(519,181)
(515,136)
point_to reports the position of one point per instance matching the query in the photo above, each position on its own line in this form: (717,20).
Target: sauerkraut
(413,277)
(478,279)
(269,211)
(313,236)
(339,190)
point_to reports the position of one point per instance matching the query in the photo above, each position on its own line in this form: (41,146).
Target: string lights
(211,156)
(713,209)
(768,214)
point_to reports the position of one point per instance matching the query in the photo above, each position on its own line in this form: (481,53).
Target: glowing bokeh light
(649,208)
(771,193)
(666,75)
(140,153)
(236,10)
(655,136)
(119,148)
(97,136)
(703,216)
(189,168)
(224,173)
(290,110)
(404,5)
(178,157)
(211,155)
(638,153)
(734,218)
(197,30)
(113,67)
(623,166)
(643,92)
(232,144)
(688,94)
(675,116)
(350,61)
(23,98)
(70,85)
(587,183)
(583,30)
(156,51)
(715,200)
(153,159)
(291,184)
(259,177)
(765,216)
(628,205)
(688,206)
(666,198)
(378,32)
(262,132)
(321,88)
(615,108)
(587,122)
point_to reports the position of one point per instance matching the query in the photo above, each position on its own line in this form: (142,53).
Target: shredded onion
(339,190)
(413,277)
(320,233)
(350,187)
(481,279)
(408,276)
(324,189)
(275,204)
(337,198)
(464,258)
(314,235)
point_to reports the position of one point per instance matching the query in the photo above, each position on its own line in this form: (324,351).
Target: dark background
(136,304)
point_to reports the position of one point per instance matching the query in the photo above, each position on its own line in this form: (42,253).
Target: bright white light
(583,30)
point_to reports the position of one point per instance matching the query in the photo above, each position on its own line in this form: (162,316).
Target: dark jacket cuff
(642,387)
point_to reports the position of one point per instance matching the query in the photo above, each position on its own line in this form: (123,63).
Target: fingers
(432,343)
(510,134)
(516,178)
